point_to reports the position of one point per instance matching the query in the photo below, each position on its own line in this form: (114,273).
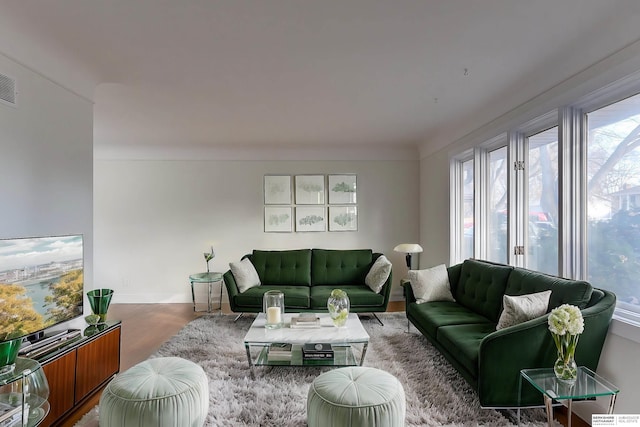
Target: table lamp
(409,249)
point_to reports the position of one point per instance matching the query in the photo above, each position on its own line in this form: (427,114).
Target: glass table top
(352,333)
(206,277)
(588,384)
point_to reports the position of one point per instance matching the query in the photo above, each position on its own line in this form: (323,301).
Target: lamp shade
(408,248)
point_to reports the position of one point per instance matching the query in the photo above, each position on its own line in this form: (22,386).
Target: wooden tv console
(78,371)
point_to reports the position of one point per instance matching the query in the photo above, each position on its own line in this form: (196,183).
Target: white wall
(46,167)
(154,218)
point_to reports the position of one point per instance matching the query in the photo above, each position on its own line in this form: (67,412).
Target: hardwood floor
(146,326)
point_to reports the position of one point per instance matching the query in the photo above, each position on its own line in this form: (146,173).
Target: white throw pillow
(245,274)
(518,309)
(378,274)
(431,284)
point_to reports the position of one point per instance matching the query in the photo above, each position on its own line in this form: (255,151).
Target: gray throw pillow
(378,274)
(518,309)
(245,274)
(431,284)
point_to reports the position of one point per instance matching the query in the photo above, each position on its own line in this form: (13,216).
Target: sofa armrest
(232,289)
(407,291)
(386,290)
(504,353)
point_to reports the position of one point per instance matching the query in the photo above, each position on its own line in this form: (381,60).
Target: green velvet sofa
(464,331)
(307,277)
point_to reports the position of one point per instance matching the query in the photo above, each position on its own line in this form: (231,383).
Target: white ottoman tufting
(162,392)
(356,396)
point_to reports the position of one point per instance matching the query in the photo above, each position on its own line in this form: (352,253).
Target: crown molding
(267,153)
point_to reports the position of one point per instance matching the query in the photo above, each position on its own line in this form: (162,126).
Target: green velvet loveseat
(490,360)
(307,277)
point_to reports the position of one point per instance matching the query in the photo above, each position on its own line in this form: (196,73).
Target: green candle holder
(99,300)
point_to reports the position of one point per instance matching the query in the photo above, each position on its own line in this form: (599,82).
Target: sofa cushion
(464,342)
(289,268)
(481,286)
(339,267)
(360,296)
(431,284)
(294,296)
(519,309)
(563,291)
(432,315)
(245,274)
(378,274)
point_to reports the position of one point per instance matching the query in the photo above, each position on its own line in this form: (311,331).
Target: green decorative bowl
(92,319)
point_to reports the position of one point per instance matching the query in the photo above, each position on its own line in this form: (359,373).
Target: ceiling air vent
(7,90)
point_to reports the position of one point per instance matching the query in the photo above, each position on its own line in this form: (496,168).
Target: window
(560,193)
(542,226)
(467,208)
(497,215)
(613,200)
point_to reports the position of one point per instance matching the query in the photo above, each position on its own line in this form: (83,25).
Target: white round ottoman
(162,392)
(356,396)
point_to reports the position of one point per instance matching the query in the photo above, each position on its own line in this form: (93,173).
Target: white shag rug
(435,393)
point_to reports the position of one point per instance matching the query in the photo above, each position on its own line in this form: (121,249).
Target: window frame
(630,320)
(456,202)
(571,120)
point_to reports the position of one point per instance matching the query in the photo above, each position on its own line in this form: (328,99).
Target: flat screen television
(41,284)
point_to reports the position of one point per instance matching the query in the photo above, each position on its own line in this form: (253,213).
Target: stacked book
(319,351)
(305,320)
(279,352)
(10,415)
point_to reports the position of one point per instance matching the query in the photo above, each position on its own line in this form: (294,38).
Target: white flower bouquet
(566,324)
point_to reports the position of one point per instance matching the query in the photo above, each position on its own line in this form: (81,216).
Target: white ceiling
(313,73)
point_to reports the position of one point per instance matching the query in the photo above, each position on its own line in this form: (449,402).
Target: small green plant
(208,256)
(338,293)
(338,307)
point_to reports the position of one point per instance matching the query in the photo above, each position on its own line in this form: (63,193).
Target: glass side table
(209,279)
(24,395)
(588,385)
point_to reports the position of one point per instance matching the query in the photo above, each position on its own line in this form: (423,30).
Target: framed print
(342,189)
(343,218)
(277,189)
(311,218)
(310,189)
(277,219)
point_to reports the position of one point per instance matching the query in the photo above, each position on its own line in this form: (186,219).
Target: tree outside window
(613,206)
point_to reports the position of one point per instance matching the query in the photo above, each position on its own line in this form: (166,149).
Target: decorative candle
(273,308)
(273,315)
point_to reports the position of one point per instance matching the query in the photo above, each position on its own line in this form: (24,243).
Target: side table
(210,279)
(588,385)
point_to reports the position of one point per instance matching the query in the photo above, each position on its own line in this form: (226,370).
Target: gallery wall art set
(303,203)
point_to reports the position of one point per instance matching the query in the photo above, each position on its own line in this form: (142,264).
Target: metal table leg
(548,404)
(221,286)
(248,349)
(193,297)
(364,352)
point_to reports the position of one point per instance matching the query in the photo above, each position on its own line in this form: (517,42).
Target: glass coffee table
(587,386)
(343,341)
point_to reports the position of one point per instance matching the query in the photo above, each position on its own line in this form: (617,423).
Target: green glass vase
(8,353)
(99,300)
